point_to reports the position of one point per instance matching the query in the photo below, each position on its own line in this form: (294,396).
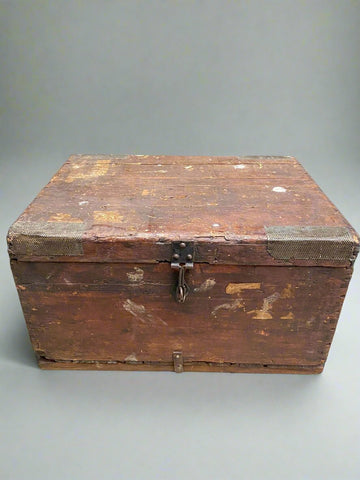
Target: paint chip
(139,312)
(136,276)
(107,216)
(240,167)
(84,202)
(100,168)
(262,332)
(215,225)
(64,217)
(279,189)
(231,306)
(265,312)
(131,358)
(205,286)
(232,288)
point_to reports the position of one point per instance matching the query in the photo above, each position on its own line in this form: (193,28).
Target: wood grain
(108,304)
(234,314)
(132,207)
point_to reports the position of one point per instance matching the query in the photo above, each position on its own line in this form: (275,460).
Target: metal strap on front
(182,260)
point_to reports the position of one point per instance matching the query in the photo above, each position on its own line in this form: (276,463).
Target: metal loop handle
(182,289)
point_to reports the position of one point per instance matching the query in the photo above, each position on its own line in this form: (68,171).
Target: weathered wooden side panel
(236,318)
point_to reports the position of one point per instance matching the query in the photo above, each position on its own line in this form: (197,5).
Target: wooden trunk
(266,257)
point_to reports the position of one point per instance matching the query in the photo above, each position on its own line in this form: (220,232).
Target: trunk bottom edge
(201,366)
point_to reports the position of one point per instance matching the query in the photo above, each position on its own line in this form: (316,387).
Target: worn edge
(46,238)
(199,366)
(311,243)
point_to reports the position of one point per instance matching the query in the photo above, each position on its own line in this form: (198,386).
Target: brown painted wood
(235,314)
(133,206)
(188,367)
(112,306)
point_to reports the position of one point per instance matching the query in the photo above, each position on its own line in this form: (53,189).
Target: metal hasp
(178,362)
(182,260)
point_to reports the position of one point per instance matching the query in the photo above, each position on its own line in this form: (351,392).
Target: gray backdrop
(182,77)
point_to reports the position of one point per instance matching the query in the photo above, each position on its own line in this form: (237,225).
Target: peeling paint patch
(136,310)
(131,358)
(289,316)
(231,306)
(288,291)
(279,189)
(139,312)
(107,216)
(262,332)
(100,168)
(264,312)
(136,276)
(232,288)
(64,217)
(205,286)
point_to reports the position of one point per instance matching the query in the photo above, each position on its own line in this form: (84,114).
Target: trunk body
(271,260)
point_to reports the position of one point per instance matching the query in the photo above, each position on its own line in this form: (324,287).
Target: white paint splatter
(84,202)
(241,166)
(279,189)
(136,310)
(215,225)
(139,312)
(189,167)
(205,286)
(265,312)
(136,276)
(131,358)
(232,306)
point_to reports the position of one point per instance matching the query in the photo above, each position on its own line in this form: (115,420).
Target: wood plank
(190,367)
(153,200)
(234,314)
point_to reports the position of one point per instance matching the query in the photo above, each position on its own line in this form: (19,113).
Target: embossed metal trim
(46,238)
(310,243)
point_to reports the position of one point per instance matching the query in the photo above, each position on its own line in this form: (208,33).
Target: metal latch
(182,260)
(178,362)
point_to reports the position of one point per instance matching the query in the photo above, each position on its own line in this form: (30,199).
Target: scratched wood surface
(133,206)
(112,305)
(120,315)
